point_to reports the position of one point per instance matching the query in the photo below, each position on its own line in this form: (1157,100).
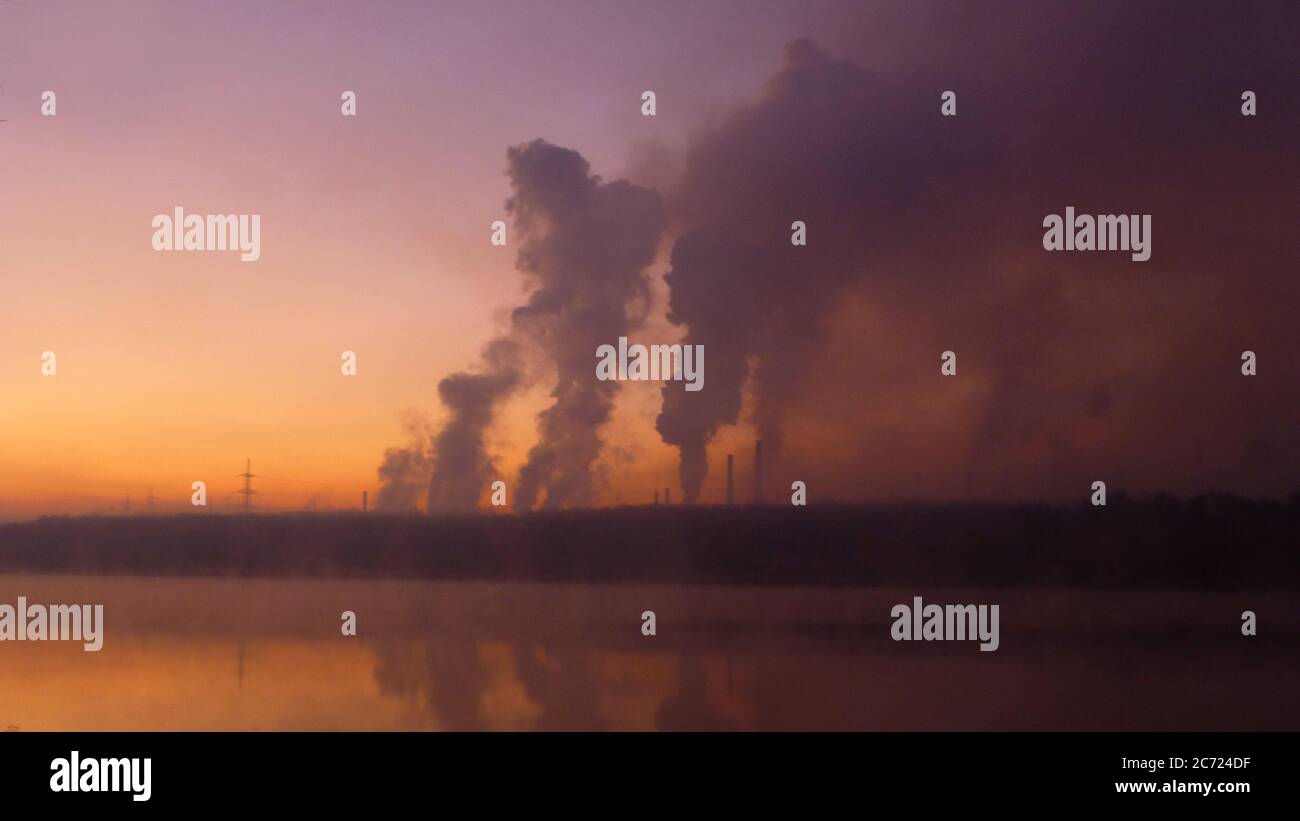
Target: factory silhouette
(757,498)
(241,500)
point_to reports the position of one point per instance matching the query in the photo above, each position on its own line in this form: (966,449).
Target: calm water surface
(234,654)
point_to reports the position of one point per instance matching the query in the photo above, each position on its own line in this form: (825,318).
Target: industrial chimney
(731,481)
(758,472)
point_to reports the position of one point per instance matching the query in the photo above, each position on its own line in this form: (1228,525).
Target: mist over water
(238,654)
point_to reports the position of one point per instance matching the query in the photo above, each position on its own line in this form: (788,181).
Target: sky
(924,236)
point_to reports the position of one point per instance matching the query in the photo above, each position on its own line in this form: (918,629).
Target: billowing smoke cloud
(810,150)
(924,234)
(462,467)
(584,247)
(405,470)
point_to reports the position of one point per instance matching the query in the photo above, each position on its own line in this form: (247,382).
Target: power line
(295,481)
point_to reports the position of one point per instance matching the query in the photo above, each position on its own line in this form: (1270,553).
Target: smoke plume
(404,470)
(924,235)
(462,467)
(809,150)
(584,245)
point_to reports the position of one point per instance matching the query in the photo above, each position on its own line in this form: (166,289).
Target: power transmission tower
(247,490)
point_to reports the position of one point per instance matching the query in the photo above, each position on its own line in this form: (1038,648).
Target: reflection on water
(230,654)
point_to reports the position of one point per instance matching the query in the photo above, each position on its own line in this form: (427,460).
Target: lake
(262,654)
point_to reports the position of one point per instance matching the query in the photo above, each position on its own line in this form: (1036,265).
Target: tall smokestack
(731,481)
(758,472)
(365,501)
(656,497)
(668,499)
